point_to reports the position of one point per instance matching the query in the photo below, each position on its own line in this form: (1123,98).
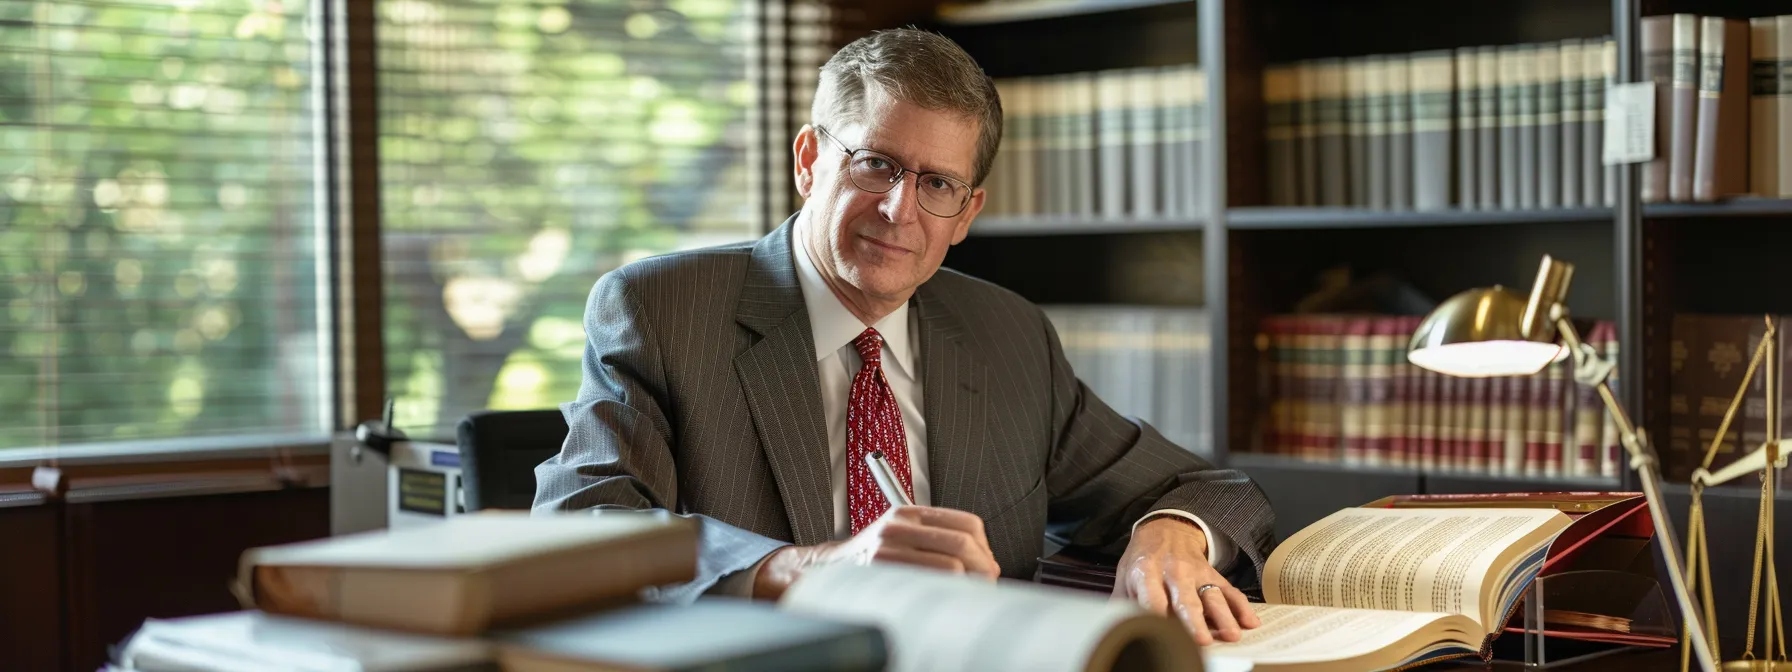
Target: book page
(1428,560)
(1292,635)
(938,622)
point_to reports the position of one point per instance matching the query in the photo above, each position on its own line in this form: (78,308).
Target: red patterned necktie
(873,423)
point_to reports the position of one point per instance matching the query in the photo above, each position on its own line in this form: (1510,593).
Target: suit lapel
(779,377)
(953,404)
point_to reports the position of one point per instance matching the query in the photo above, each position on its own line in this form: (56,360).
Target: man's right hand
(926,536)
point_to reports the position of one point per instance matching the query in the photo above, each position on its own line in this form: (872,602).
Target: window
(526,149)
(159,231)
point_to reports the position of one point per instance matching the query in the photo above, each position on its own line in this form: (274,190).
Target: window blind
(529,147)
(159,233)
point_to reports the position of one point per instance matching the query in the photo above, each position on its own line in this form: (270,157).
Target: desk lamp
(1492,332)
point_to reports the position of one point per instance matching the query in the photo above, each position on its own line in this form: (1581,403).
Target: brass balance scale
(1765,460)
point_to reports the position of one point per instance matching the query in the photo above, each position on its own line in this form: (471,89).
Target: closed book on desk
(471,573)
(712,635)
(253,640)
(1371,588)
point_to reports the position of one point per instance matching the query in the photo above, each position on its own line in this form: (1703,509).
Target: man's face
(885,245)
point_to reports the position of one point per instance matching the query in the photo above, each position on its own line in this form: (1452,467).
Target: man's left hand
(1164,568)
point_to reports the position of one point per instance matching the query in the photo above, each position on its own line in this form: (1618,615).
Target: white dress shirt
(837,361)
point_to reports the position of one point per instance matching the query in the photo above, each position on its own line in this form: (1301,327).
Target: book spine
(1657,45)
(1480,448)
(1516,441)
(1720,367)
(1783,106)
(1328,413)
(1764,75)
(1572,74)
(1430,415)
(1548,60)
(1380,163)
(1467,121)
(1452,451)
(1307,130)
(1280,88)
(1754,402)
(1356,92)
(1400,173)
(1608,63)
(1685,107)
(1194,158)
(1433,84)
(1173,138)
(1587,412)
(1331,133)
(1487,130)
(1529,89)
(1382,416)
(1400,409)
(1143,130)
(1083,144)
(1498,460)
(1510,116)
(1555,434)
(1722,168)
(1686,338)
(1025,146)
(1111,143)
(1612,458)
(1354,399)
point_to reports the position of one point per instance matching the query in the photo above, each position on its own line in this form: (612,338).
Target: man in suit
(744,385)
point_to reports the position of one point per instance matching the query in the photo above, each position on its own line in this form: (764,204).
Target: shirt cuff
(738,584)
(1220,551)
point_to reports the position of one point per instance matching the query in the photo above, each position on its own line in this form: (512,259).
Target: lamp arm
(1648,470)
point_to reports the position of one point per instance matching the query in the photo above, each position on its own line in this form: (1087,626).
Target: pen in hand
(886,480)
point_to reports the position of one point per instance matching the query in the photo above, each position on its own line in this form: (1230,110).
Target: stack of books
(1723,107)
(492,591)
(1339,388)
(1476,128)
(1112,145)
(1145,362)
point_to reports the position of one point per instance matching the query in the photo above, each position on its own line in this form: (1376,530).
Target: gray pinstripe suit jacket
(701,397)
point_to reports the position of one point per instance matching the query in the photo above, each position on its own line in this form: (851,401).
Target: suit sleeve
(1106,472)
(618,452)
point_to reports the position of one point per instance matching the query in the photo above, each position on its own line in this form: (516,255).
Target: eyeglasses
(940,195)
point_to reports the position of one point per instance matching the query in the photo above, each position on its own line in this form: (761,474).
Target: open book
(1378,589)
(937,622)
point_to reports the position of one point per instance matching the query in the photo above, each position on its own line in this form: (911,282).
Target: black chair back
(498,454)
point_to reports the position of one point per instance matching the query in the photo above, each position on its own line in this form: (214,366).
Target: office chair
(498,454)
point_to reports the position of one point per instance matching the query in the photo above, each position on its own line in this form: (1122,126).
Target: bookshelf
(1250,257)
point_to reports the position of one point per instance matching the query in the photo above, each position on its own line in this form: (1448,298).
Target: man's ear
(804,151)
(970,213)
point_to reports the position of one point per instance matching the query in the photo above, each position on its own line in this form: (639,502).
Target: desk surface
(1621,661)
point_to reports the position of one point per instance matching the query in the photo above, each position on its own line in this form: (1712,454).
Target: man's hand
(945,539)
(1163,568)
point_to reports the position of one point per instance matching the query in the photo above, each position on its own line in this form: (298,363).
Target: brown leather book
(1764,122)
(1657,46)
(1683,107)
(471,573)
(1720,168)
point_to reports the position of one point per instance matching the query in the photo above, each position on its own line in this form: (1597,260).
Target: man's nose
(901,203)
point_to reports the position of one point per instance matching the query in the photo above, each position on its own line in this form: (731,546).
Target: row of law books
(1339,388)
(1723,107)
(1110,144)
(1709,356)
(1149,363)
(1476,128)
(576,592)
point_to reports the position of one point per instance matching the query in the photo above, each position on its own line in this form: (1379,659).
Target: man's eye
(939,184)
(876,163)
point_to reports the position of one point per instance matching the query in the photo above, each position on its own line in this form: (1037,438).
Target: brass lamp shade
(1479,333)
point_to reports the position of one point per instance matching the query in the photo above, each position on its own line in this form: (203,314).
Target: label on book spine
(1629,123)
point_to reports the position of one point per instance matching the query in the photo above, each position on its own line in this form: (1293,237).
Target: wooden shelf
(1028,10)
(1265,218)
(1066,226)
(1742,207)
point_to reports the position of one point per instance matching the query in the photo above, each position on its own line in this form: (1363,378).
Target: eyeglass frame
(901,174)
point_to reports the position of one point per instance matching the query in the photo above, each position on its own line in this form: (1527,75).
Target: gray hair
(916,67)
